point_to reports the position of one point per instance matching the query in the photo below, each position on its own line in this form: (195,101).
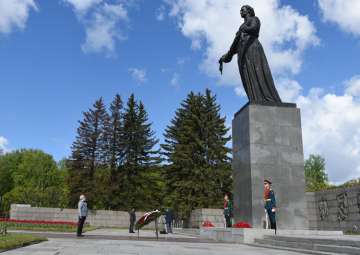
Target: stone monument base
(267,144)
(249,235)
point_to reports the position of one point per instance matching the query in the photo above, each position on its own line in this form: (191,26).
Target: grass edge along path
(13,241)
(42,225)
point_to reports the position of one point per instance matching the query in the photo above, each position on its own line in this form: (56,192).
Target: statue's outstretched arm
(233,50)
(226,58)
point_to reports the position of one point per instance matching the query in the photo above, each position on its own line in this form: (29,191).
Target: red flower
(40,222)
(242,224)
(208,224)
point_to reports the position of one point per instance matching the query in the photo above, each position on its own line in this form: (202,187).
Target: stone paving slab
(119,241)
(125,247)
(121,234)
(143,233)
(113,232)
(342,237)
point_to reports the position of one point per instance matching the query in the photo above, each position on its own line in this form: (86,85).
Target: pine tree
(199,166)
(138,156)
(147,141)
(89,151)
(108,181)
(217,154)
(115,133)
(91,142)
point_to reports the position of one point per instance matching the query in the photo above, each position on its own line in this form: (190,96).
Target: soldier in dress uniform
(228,210)
(270,203)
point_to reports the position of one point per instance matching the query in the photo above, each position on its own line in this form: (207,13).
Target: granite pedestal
(267,144)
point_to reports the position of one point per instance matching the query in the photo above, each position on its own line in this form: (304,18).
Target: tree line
(117,161)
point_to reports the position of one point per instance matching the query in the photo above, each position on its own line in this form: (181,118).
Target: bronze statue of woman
(254,69)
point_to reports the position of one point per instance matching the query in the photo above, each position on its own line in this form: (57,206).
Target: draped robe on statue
(254,69)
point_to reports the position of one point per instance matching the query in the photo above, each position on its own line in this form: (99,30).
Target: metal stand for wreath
(156,229)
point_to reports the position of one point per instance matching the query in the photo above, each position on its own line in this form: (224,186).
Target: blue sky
(57,57)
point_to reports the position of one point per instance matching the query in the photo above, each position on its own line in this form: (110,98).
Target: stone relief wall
(335,209)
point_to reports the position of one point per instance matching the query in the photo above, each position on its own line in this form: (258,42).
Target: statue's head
(247,10)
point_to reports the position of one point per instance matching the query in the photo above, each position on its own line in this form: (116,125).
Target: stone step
(311,246)
(338,249)
(322,240)
(278,243)
(283,248)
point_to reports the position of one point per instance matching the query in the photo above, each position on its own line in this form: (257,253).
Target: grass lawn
(351,233)
(11,241)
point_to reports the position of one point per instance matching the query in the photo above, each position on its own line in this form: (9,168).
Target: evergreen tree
(89,151)
(199,166)
(138,138)
(147,155)
(108,181)
(91,144)
(115,134)
(138,156)
(217,154)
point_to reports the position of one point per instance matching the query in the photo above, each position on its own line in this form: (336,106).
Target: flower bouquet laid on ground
(208,224)
(241,224)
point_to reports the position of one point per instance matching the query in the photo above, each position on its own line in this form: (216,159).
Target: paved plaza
(111,242)
(126,247)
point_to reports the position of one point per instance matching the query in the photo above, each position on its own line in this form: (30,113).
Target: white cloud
(139,75)
(160,13)
(102,21)
(175,80)
(181,61)
(353,86)
(3,143)
(344,13)
(240,91)
(330,126)
(14,14)
(101,30)
(82,6)
(211,25)
(288,89)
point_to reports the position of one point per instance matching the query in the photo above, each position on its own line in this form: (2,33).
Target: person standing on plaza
(169,217)
(132,220)
(228,210)
(270,203)
(83,212)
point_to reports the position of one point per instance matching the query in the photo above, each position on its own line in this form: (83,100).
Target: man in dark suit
(132,220)
(169,217)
